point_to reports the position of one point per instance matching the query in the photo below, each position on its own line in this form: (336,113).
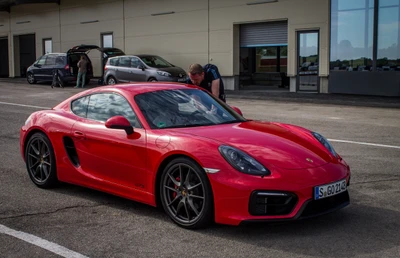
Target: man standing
(82,69)
(207,77)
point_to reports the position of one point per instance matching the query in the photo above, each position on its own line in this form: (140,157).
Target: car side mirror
(237,110)
(36,65)
(119,122)
(141,67)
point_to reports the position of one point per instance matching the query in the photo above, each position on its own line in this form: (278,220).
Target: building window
(353,36)
(388,55)
(47,46)
(107,40)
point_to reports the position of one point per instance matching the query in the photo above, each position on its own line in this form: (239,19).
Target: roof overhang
(5,5)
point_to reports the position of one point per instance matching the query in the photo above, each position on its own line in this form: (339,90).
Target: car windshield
(155,62)
(184,108)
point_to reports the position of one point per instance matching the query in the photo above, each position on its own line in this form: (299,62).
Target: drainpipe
(59,23)
(11,61)
(123,25)
(208,32)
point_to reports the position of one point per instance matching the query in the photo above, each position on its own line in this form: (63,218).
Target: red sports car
(176,146)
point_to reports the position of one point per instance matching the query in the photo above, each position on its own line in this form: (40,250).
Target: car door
(137,72)
(123,69)
(48,67)
(110,155)
(37,68)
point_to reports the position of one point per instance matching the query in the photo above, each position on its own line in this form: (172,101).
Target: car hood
(281,145)
(174,71)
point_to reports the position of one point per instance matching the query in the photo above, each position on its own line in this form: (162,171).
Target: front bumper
(235,201)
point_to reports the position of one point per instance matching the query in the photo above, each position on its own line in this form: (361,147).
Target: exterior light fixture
(156,14)
(22,22)
(85,22)
(262,2)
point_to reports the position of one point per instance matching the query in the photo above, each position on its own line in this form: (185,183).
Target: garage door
(263,34)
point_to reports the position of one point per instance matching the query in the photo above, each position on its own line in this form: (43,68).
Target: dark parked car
(141,68)
(66,64)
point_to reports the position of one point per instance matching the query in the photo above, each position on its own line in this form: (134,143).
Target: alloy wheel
(111,81)
(183,193)
(39,160)
(31,78)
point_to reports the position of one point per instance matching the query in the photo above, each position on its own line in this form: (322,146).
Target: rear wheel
(111,80)
(40,161)
(186,194)
(30,78)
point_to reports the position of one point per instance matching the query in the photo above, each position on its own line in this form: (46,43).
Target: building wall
(197,31)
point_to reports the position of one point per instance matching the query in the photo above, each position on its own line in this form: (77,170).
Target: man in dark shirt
(207,77)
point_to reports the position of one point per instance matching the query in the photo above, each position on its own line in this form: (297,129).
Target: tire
(30,78)
(152,80)
(40,161)
(189,205)
(111,80)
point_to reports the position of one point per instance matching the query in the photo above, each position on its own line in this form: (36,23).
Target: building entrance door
(4,57)
(308,61)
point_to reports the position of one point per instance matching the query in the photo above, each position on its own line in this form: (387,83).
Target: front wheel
(30,78)
(186,194)
(40,161)
(152,80)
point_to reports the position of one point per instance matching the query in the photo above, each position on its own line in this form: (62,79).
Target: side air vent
(71,151)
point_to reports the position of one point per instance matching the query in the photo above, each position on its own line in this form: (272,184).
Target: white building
(326,46)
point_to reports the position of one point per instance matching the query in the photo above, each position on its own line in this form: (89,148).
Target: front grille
(326,205)
(271,203)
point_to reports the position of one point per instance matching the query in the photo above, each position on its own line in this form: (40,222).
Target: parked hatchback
(140,68)
(66,63)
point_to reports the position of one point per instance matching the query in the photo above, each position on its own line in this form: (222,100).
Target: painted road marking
(22,105)
(366,143)
(50,246)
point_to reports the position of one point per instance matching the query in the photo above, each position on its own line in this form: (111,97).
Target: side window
(114,61)
(42,60)
(125,61)
(106,105)
(80,106)
(60,60)
(51,60)
(135,62)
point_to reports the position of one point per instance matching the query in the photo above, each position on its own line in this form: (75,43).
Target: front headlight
(243,162)
(326,143)
(164,73)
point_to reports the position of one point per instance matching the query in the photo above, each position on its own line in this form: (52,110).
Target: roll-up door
(264,34)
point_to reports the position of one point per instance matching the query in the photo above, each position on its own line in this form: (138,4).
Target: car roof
(128,90)
(144,87)
(132,89)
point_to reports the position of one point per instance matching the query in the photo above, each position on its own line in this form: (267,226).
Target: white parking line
(50,246)
(22,105)
(366,143)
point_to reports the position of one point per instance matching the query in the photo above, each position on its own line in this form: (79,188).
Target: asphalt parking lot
(80,222)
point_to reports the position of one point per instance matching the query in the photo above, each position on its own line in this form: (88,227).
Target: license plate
(328,190)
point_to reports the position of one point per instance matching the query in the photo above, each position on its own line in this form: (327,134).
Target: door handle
(79,135)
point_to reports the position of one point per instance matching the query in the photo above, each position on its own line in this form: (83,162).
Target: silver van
(141,68)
